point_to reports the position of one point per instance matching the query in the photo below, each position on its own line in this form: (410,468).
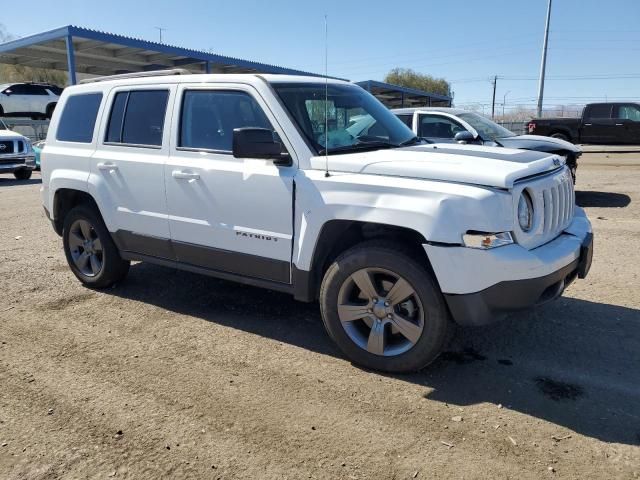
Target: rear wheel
(22,174)
(384,310)
(89,248)
(561,136)
(49,111)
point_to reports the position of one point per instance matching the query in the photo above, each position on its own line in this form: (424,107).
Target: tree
(405,77)
(20,73)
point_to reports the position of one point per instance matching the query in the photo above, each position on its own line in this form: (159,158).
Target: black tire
(113,268)
(49,110)
(561,136)
(23,174)
(437,325)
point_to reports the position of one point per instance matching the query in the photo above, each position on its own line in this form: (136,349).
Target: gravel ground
(174,375)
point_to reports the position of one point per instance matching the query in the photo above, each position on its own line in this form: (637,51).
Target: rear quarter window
(78,118)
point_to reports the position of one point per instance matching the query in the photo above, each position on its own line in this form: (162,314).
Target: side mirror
(7,92)
(464,137)
(252,142)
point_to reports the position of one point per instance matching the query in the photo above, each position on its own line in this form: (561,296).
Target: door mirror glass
(252,142)
(464,137)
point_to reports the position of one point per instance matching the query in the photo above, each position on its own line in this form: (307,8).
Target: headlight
(486,241)
(525,211)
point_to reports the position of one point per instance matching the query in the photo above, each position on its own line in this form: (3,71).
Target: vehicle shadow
(602,199)
(573,362)
(11,181)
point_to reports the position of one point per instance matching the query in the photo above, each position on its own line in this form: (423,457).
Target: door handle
(588,124)
(181,174)
(107,166)
(619,124)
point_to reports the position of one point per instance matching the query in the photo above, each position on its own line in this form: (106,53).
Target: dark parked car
(600,123)
(448,125)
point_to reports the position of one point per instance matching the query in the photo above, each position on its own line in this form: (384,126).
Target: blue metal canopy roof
(396,96)
(87,51)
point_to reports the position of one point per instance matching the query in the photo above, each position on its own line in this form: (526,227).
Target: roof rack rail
(151,73)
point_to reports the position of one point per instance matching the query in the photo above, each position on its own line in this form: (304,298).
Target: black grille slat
(8,147)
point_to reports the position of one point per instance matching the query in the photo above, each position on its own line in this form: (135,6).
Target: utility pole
(543,65)
(493,102)
(160,30)
(504,100)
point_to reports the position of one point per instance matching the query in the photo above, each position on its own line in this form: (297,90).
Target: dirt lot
(174,375)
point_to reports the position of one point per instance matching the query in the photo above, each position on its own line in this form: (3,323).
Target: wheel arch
(338,235)
(52,106)
(64,199)
(563,131)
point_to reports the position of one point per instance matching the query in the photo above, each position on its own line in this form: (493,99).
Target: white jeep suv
(28,99)
(233,176)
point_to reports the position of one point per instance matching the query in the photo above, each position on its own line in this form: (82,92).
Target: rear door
(598,125)
(128,168)
(627,117)
(225,213)
(38,98)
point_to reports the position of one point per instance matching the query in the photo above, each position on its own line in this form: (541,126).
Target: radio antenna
(326,98)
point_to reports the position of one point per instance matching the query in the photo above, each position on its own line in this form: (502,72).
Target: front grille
(8,147)
(20,146)
(559,202)
(553,205)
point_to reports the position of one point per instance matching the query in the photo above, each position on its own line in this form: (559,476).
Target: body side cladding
(233,277)
(203,258)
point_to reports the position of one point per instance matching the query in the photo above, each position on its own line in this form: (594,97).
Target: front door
(627,117)
(227,214)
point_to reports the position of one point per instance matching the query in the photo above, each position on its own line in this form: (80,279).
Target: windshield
(355,119)
(487,129)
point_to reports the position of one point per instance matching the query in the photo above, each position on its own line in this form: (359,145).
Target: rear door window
(78,118)
(35,90)
(598,111)
(137,118)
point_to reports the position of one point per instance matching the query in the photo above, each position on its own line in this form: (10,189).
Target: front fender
(439,211)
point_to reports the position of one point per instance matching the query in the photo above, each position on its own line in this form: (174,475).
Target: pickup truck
(242,177)
(600,123)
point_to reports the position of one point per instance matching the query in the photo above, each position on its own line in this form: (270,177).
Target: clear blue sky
(466,42)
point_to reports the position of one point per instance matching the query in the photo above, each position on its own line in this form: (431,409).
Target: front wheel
(384,310)
(22,174)
(91,254)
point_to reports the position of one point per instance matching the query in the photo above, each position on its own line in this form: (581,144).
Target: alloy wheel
(380,311)
(85,248)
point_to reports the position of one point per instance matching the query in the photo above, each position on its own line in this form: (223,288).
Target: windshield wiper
(358,147)
(412,141)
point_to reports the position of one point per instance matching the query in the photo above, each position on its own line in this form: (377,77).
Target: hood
(10,135)
(470,164)
(540,143)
